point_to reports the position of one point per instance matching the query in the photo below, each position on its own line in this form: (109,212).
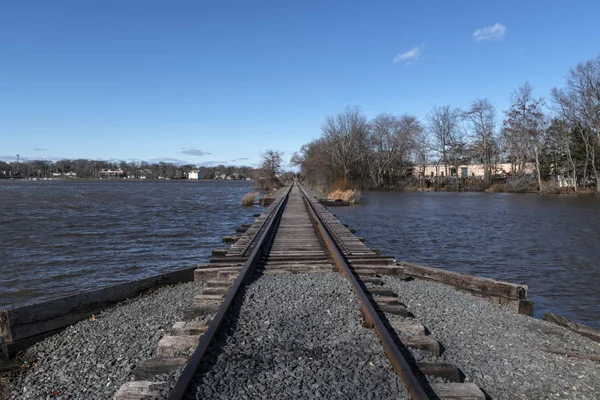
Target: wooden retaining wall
(511,295)
(22,327)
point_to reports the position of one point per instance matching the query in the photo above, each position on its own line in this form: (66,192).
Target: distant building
(112,173)
(467,170)
(65,174)
(195,174)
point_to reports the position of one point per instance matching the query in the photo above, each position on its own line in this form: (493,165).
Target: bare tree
(345,141)
(561,135)
(579,104)
(392,141)
(270,169)
(444,126)
(481,119)
(385,145)
(525,127)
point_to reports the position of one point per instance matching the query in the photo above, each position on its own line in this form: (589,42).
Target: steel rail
(401,366)
(189,371)
(249,244)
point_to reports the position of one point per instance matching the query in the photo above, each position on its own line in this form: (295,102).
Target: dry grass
(498,188)
(351,196)
(249,198)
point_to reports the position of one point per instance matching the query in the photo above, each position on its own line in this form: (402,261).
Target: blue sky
(211,82)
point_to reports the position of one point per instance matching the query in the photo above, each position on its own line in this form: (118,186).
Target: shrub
(249,198)
(351,196)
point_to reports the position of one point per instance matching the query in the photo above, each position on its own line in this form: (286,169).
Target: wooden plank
(457,391)
(219,283)
(426,343)
(411,328)
(574,354)
(219,252)
(441,370)
(188,328)
(230,239)
(475,284)
(192,312)
(37,320)
(216,291)
(394,309)
(214,273)
(381,292)
(572,326)
(148,369)
(172,346)
(139,390)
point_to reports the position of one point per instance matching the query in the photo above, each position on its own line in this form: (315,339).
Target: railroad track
(292,259)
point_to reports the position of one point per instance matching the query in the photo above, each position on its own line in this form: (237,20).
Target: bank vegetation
(551,145)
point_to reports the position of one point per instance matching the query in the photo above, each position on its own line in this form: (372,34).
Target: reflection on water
(550,243)
(61,237)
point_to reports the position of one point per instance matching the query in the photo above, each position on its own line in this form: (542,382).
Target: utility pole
(17,172)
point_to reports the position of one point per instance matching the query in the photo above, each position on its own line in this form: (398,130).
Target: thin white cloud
(168,160)
(194,152)
(413,53)
(489,32)
(212,163)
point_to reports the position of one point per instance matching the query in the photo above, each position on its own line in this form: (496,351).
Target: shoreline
(586,193)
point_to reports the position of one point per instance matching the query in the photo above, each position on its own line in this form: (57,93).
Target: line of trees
(84,168)
(559,137)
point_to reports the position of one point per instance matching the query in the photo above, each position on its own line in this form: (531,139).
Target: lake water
(549,243)
(62,237)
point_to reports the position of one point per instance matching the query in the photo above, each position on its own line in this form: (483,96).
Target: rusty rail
(401,366)
(184,380)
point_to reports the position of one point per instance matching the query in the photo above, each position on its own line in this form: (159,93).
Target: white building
(195,174)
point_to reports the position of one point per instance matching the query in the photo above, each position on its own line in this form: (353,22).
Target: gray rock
(498,349)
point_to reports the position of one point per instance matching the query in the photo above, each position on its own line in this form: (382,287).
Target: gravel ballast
(93,358)
(500,350)
(297,336)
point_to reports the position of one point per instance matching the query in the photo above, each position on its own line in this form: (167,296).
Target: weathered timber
(196,311)
(21,327)
(215,273)
(186,328)
(385,299)
(171,346)
(457,391)
(139,390)
(219,252)
(267,200)
(422,342)
(373,280)
(381,292)
(216,290)
(372,262)
(219,283)
(511,295)
(411,328)
(574,354)
(230,239)
(394,309)
(379,270)
(333,203)
(441,370)
(573,326)
(148,369)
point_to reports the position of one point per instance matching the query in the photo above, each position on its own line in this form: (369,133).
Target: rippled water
(550,243)
(62,237)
